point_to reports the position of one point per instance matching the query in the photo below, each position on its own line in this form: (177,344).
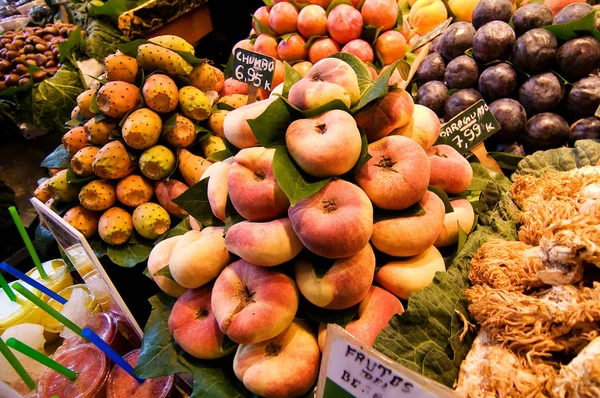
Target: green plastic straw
(14,362)
(6,287)
(41,358)
(51,311)
(27,241)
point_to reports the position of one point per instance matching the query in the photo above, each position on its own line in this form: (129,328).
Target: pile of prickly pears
(132,142)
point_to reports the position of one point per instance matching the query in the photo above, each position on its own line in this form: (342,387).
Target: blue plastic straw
(32,282)
(116,358)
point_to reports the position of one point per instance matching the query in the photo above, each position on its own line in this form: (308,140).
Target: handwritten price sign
(469,128)
(253,68)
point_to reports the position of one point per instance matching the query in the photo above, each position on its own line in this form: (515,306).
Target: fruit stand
(370,198)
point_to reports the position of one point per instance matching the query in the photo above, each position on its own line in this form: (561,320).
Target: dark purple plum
(512,118)
(461,72)
(584,129)
(493,41)
(436,45)
(433,95)
(534,51)
(584,97)
(578,57)
(531,16)
(492,10)
(544,131)
(459,101)
(432,68)
(572,12)
(541,93)
(513,148)
(498,81)
(457,39)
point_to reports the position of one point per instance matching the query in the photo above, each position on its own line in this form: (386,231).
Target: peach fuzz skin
(285,366)
(450,171)
(322,48)
(380,13)
(217,188)
(252,187)
(410,236)
(158,259)
(397,175)
(343,285)
(194,327)
(252,304)
(336,222)
(265,244)
(236,127)
(360,49)
(283,18)
(424,127)
(374,313)
(312,21)
(462,215)
(344,23)
(380,118)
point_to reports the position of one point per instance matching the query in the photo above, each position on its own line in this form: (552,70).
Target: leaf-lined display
(195,201)
(380,86)
(291,77)
(58,159)
(164,271)
(297,113)
(443,196)
(73,43)
(261,28)
(130,254)
(269,128)
(360,68)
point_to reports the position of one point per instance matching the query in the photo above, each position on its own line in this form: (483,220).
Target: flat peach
(158,259)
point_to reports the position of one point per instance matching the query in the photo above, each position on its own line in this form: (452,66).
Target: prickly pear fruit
(98,195)
(42,192)
(151,220)
(142,129)
(152,57)
(166,191)
(215,123)
(98,82)
(53,171)
(83,102)
(157,162)
(206,77)
(115,226)
(172,42)
(134,190)
(75,112)
(211,145)
(115,99)
(120,67)
(113,161)
(98,131)
(234,100)
(232,86)
(61,189)
(194,103)
(183,134)
(75,139)
(160,93)
(83,220)
(192,166)
(81,162)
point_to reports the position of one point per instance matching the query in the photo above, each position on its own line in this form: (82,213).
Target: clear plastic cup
(21,311)
(59,277)
(121,385)
(50,324)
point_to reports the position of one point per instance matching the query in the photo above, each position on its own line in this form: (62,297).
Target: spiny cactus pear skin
(42,192)
(152,57)
(211,145)
(172,43)
(83,102)
(142,129)
(115,99)
(166,191)
(75,139)
(206,77)
(75,112)
(113,161)
(194,103)
(98,195)
(234,100)
(134,190)
(157,162)
(61,190)
(53,171)
(160,93)
(81,162)
(232,86)
(215,123)
(98,131)
(151,220)
(120,67)
(83,220)
(182,135)
(192,166)
(115,226)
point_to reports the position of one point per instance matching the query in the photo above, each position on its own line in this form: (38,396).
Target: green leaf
(300,114)
(220,155)
(296,184)
(371,33)
(73,178)
(404,8)
(380,87)
(286,36)
(99,247)
(268,3)
(261,28)
(292,76)
(269,128)
(179,229)
(73,43)
(365,156)
(364,77)
(299,6)
(58,159)
(307,310)
(166,272)
(443,196)
(222,106)
(195,202)
(169,124)
(310,41)
(336,3)
(570,30)
(506,161)
(102,39)
(382,215)
(130,254)
(232,217)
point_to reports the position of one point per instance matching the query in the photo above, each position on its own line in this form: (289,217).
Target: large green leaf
(195,202)
(73,43)
(291,77)
(380,86)
(297,113)
(102,39)
(130,254)
(360,68)
(570,30)
(269,128)
(58,159)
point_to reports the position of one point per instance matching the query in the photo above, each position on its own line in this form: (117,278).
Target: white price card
(352,369)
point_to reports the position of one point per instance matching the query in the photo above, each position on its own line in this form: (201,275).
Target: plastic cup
(20,311)
(88,362)
(50,324)
(59,277)
(121,385)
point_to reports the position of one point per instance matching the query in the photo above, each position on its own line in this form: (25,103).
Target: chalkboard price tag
(469,128)
(253,68)
(353,369)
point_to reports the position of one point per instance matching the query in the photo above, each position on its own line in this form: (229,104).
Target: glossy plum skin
(461,72)
(531,16)
(498,81)
(459,101)
(544,131)
(492,10)
(534,51)
(457,39)
(433,95)
(572,12)
(541,93)
(511,116)
(583,129)
(432,68)
(493,41)
(584,97)
(578,57)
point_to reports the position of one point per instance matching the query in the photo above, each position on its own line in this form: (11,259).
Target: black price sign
(253,68)
(469,128)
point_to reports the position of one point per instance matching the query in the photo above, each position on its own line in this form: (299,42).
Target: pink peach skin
(283,18)
(232,86)
(361,49)
(556,5)
(312,21)
(322,48)
(381,117)
(166,191)
(236,127)
(292,49)
(344,23)
(194,224)
(424,127)
(262,14)
(267,45)
(158,259)
(450,171)
(217,188)
(380,13)
(252,304)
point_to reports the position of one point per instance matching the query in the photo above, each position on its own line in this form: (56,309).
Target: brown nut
(10,47)
(11,79)
(40,47)
(29,48)
(38,76)
(30,62)
(30,56)
(47,37)
(5,66)
(3,86)
(23,81)
(21,69)
(10,55)
(5,41)
(51,71)
(50,64)
(17,61)
(56,52)
(41,59)
(63,30)
(18,43)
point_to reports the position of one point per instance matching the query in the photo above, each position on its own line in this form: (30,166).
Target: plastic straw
(32,282)
(41,358)
(51,311)
(109,352)
(27,241)
(6,287)
(14,362)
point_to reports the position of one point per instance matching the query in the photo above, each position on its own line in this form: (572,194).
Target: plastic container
(21,311)
(15,22)
(25,8)
(50,324)
(59,277)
